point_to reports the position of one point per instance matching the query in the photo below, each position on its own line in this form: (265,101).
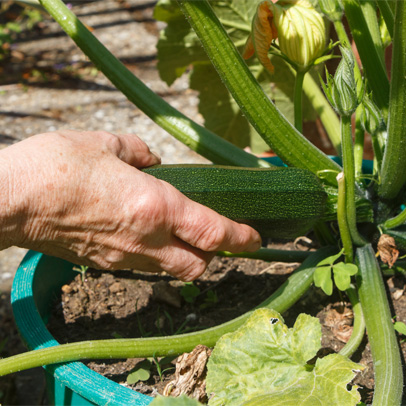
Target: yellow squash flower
(297,26)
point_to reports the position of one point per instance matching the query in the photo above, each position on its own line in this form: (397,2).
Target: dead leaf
(387,249)
(340,319)
(190,375)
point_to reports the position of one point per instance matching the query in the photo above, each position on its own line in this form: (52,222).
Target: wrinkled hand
(80,196)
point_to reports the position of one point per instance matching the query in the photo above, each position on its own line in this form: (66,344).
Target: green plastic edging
(37,282)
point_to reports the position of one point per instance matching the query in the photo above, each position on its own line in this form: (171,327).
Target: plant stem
(268,254)
(281,300)
(395,221)
(285,140)
(297,100)
(394,163)
(374,67)
(358,144)
(387,14)
(342,219)
(358,330)
(323,108)
(368,8)
(382,338)
(349,176)
(184,129)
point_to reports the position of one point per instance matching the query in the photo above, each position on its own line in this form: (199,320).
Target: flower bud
(297,26)
(341,90)
(332,9)
(371,117)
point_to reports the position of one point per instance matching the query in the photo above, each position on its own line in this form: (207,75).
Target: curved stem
(291,146)
(297,100)
(323,108)
(281,300)
(358,330)
(196,137)
(371,61)
(395,221)
(342,219)
(381,334)
(358,144)
(349,176)
(394,163)
(387,14)
(268,254)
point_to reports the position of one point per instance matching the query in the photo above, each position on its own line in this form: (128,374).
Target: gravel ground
(48,85)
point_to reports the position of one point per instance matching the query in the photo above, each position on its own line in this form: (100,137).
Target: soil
(126,304)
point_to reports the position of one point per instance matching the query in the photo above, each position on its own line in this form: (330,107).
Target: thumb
(134,151)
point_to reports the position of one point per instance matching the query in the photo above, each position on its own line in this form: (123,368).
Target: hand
(80,196)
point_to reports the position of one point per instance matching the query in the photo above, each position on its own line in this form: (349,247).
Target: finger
(180,260)
(132,150)
(206,230)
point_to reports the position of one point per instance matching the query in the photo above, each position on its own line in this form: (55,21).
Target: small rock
(66,289)
(116,287)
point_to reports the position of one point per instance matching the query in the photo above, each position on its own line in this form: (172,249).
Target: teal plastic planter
(37,282)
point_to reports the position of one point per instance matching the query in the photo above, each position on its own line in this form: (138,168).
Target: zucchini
(280,203)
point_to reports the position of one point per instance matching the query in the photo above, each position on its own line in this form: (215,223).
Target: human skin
(81,196)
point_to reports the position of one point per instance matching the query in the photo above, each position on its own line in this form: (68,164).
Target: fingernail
(156,155)
(255,246)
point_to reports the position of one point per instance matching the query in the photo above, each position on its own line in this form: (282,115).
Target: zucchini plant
(348,210)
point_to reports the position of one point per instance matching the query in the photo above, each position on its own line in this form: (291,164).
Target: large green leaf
(325,385)
(265,360)
(179,48)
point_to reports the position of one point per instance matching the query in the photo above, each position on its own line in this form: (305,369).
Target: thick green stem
(358,144)
(382,338)
(342,219)
(285,296)
(184,129)
(358,330)
(281,136)
(385,7)
(268,254)
(374,68)
(378,155)
(349,176)
(395,221)
(323,108)
(368,8)
(297,100)
(394,163)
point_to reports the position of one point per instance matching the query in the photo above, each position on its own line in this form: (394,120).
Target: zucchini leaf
(265,362)
(179,48)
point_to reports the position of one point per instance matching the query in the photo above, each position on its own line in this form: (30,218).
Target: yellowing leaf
(265,363)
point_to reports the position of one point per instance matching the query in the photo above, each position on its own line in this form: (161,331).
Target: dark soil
(104,305)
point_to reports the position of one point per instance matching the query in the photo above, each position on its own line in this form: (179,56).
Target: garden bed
(104,305)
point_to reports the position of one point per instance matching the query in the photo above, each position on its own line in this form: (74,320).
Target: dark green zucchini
(278,202)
